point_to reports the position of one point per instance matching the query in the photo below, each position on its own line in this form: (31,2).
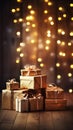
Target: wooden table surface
(46,120)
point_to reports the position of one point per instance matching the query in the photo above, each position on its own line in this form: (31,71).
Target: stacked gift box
(32,93)
(31,78)
(26,95)
(10,94)
(55,98)
(29,103)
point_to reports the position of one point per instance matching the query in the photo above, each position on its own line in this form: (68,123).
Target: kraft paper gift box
(33,82)
(8,98)
(36,104)
(55,104)
(30,72)
(22,104)
(12,86)
(54,92)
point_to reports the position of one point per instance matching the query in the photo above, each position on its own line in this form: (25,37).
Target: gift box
(54,92)
(8,98)
(33,82)
(30,70)
(36,104)
(12,84)
(55,104)
(22,104)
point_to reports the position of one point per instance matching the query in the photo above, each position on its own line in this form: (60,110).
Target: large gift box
(9,97)
(36,104)
(55,104)
(33,82)
(12,84)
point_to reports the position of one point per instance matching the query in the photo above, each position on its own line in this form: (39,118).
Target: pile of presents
(32,93)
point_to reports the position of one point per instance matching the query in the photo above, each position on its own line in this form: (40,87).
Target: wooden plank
(62,120)
(58,120)
(6,119)
(46,122)
(68,120)
(32,121)
(20,121)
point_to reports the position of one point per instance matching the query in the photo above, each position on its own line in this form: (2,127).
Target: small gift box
(12,84)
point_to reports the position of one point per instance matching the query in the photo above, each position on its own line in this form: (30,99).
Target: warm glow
(39,59)
(17,9)
(63,43)
(28,23)
(60,8)
(33,25)
(45,11)
(41,65)
(71,33)
(45,0)
(50,18)
(50,3)
(71,54)
(15,21)
(20,20)
(57,64)
(63,33)
(71,18)
(58,42)
(44,36)
(13,10)
(46,48)
(48,42)
(18,49)
(70,90)
(32,12)
(18,33)
(59,18)
(71,66)
(64,15)
(30,18)
(71,4)
(19,1)
(69,44)
(27,29)
(17,61)
(51,23)
(62,54)
(32,41)
(58,76)
(59,30)
(29,7)
(48,33)
(69,74)
(22,44)
(21,54)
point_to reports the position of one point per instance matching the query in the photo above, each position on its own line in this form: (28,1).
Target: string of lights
(44,36)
